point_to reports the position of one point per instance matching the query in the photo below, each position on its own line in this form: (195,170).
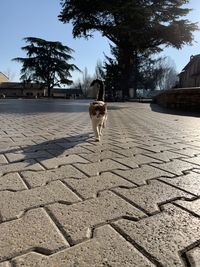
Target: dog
(98,109)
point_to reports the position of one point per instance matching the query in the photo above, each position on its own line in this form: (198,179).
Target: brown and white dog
(98,109)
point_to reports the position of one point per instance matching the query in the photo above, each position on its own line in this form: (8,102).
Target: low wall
(180,98)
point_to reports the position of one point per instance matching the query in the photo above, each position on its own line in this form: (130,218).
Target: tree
(9,74)
(85,82)
(169,76)
(133,26)
(47,63)
(99,71)
(112,74)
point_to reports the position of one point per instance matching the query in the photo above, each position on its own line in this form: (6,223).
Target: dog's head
(98,108)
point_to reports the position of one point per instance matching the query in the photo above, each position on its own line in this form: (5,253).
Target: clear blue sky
(38,18)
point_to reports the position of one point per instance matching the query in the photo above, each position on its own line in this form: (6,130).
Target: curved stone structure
(180,98)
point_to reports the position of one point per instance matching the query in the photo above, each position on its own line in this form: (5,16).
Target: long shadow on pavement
(46,150)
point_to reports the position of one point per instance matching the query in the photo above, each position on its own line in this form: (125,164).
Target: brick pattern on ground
(132,200)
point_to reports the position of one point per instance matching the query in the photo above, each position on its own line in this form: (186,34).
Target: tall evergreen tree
(46,63)
(134,26)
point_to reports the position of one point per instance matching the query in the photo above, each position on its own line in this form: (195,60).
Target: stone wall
(180,98)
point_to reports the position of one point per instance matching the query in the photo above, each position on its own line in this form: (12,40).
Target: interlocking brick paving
(165,234)
(150,196)
(12,204)
(106,248)
(132,199)
(194,257)
(189,182)
(192,206)
(34,230)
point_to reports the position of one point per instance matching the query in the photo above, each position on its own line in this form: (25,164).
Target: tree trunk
(49,91)
(126,63)
(135,73)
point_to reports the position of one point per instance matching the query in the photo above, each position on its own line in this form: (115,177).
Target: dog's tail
(101,92)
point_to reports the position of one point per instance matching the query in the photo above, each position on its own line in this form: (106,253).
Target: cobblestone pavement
(131,200)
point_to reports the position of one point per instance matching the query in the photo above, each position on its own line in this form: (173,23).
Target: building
(3,77)
(33,90)
(67,93)
(17,89)
(190,75)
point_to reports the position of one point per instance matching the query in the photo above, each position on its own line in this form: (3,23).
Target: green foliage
(134,26)
(46,63)
(151,72)
(142,23)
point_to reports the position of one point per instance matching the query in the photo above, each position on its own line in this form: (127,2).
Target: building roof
(2,74)
(193,59)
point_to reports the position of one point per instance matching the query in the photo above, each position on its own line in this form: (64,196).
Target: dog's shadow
(49,149)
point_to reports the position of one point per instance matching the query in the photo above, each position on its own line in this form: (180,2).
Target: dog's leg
(100,128)
(96,130)
(104,121)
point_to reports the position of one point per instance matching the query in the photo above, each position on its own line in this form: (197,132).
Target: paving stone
(176,166)
(190,152)
(189,182)
(99,147)
(3,160)
(56,162)
(24,156)
(40,178)
(156,148)
(89,187)
(20,166)
(128,145)
(106,248)
(5,264)
(13,204)
(12,181)
(130,152)
(75,150)
(78,219)
(139,176)
(93,169)
(194,257)
(134,161)
(165,155)
(193,206)
(148,197)
(196,143)
(171,230)
(39,147)
(194,160)
(23,143)
(69,145)
(106,154)
(180,146)
(34,230)
(196,170)
(6,149)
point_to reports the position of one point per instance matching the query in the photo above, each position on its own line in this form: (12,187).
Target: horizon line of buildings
(188,77)
(34,90)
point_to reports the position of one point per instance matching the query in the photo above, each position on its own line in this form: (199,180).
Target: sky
(39,18)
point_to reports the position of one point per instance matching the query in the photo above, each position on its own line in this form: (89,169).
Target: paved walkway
(130,200)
